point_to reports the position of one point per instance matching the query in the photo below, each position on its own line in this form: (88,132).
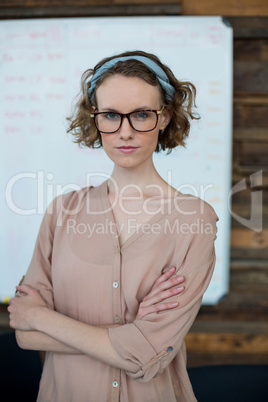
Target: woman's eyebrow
(143,108)
(108,109)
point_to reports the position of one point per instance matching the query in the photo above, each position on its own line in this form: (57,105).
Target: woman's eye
(111,116)
(141,115)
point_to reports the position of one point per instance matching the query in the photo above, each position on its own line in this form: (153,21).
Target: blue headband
(154,67)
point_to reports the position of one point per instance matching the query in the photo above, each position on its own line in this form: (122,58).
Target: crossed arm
(40,328)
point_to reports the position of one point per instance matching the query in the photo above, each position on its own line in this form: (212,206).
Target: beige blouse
(81,271)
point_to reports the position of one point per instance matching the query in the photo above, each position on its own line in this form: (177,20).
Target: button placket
(115,385)
(116,284)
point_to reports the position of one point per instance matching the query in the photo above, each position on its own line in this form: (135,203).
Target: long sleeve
(154,341)
(39,271)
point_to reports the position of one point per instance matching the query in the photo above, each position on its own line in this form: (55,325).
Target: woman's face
(124,95)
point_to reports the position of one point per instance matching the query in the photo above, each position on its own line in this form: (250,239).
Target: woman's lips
(127,150)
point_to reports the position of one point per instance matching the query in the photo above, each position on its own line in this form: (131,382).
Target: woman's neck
(141,181)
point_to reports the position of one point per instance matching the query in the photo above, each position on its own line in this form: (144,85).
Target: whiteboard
(41,65)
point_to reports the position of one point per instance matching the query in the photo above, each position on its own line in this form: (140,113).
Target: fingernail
(171,269)
(181,288)
(180,278)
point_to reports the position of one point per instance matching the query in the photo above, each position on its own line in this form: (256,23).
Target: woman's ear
(165,118)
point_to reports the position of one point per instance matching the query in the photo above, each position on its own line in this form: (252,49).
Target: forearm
(35,340)
(87,339)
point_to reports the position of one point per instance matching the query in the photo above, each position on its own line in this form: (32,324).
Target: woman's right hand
(163,288)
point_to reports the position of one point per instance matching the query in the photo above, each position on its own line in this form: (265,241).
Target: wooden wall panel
(77,3)
(234,343)
(247,238)
(250,115)
(250,134)
(251,67)
(230,7)
(251,77)
(249,27)
(15,9)
(144,1)
(53,3)
(251,153)
(251,50)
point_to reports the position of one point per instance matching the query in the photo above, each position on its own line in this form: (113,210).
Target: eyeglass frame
(127,115)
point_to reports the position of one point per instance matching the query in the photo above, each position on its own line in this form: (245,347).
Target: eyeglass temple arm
(160,111)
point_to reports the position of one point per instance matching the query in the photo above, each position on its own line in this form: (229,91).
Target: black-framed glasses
(140,120)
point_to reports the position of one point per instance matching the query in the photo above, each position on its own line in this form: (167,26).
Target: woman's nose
(126,131)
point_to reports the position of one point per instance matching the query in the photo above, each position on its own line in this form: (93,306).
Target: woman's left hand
(163,288)
(24,308)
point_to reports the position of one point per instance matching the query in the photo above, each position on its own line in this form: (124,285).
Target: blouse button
(169,349)
(116,318)
(115,384)
(115,285)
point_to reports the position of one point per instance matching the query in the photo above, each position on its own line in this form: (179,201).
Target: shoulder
(195,216)
(75,197)
(69,202)
(194,225)
(191,206)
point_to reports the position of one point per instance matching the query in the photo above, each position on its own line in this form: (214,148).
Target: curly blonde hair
(81,124)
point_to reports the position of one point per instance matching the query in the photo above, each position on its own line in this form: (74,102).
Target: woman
(107,256)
